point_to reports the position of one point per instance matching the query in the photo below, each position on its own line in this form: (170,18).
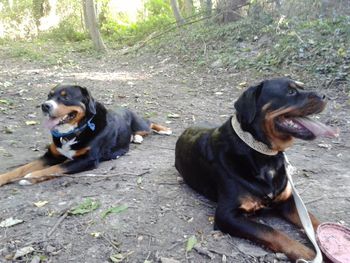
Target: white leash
(303,214)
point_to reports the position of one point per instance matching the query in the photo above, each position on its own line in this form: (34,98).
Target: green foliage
(114,210)
(22,50)
(304,39)
(317,46)
(45,50)
(16,11)
(157,15)
(158,8)
(267,43)
(87,206)
(191,242)
(69,29)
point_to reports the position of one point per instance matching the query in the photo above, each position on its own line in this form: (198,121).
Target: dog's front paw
(137,139)
(26,181)
(165,132)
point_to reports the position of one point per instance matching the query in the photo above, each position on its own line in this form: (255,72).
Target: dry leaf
(173,115)
(40,203)
(23,251)
(30,123)
(191,242)
(10,222)
(95,234)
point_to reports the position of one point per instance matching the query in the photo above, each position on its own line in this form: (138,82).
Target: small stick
(59,221)
(219,252)
(109,241)
(204,251)
(100,175)
(314,200)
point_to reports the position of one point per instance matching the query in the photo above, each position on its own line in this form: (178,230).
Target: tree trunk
(174,6)
(188,7)
(92,25)
(206,6)
(10,3)
(38,11)
(229,9)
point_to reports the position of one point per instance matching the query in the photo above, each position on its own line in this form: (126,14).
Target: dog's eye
(292,91)
(64,95)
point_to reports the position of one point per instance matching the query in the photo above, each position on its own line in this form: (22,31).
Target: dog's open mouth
(305,127)
(53,122)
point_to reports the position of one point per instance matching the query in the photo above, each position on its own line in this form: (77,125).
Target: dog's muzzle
(48,106)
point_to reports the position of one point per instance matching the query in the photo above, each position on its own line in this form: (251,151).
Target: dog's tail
(160,129)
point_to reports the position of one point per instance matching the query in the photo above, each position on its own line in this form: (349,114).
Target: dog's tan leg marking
(21,171)
(160,129)
(142,133)
(293,217)
(280,242)
(42,175)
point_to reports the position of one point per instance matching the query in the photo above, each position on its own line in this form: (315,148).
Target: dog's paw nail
(24,182)
(28,175)
(137,139)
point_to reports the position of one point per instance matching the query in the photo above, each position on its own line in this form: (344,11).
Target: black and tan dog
(84,133)
(241,165)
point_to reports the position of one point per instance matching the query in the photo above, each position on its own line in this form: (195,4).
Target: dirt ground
(162,212)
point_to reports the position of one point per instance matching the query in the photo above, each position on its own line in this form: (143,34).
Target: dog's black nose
(314,95)
(46,107)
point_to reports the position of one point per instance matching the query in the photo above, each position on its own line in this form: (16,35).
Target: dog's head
(277,110)
(66,106)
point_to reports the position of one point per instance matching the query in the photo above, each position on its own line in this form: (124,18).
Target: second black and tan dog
(84,133)
(241,165)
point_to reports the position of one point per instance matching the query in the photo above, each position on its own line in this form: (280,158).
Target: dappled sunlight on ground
(121,75)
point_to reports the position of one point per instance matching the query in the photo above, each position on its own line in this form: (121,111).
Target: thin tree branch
(169,29)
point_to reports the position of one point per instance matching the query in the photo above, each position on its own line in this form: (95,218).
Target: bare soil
(162,212)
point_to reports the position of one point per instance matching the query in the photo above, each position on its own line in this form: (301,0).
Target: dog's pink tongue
(50,123)
(317,128)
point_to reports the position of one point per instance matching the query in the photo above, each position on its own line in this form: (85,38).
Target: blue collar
(89,124)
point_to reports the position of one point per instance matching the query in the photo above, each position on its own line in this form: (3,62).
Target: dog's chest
(66,148)
(273,190)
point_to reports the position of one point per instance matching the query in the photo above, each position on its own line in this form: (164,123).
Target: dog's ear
(246,103)
(88,100)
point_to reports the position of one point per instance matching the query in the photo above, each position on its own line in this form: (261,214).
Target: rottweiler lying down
(84,133)
(241,166)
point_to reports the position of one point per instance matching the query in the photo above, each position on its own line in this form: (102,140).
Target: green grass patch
(87,206)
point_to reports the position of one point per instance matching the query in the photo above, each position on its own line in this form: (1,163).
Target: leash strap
(303,214)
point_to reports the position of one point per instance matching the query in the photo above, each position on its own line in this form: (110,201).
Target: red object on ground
(334,241)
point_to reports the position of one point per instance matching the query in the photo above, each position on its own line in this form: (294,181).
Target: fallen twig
(203,251)
(59,221)
(107,238)
(99,175)
(176,243)
(219,252)
(314,200)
